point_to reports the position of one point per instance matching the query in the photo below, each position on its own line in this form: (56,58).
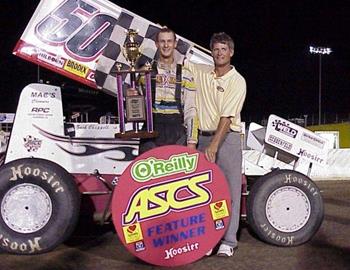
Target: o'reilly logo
(284,128)
(152,168)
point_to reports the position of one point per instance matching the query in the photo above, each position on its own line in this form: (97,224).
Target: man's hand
(210,152)
(220,134)
(191,145)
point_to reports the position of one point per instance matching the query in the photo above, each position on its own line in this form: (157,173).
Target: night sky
(272,41)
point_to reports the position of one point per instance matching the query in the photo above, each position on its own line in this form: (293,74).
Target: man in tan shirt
(221,92)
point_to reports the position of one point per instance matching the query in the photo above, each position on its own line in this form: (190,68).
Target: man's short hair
(221,37)
(165,30)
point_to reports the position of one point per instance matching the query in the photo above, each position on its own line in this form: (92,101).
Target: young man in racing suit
(173,96)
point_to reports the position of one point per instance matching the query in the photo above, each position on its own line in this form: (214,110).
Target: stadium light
(320,51)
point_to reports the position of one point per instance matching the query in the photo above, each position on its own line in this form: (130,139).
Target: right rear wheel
(285,208)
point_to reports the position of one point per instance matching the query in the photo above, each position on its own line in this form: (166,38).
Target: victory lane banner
(171,206)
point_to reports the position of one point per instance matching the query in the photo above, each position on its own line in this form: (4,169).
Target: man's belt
(206,133)
(209,133)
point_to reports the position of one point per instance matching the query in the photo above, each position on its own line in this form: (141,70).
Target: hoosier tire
(285,208)
(39,206)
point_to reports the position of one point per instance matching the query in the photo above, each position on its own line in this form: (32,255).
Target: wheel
(285,208)
(39,206)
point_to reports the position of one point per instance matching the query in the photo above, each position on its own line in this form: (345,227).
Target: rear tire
(285,208)
(39,206)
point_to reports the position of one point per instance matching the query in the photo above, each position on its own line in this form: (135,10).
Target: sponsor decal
(310,156)
(220,89)
(284,128)
(139,246)
(172,252)
(76,68)
(40,110)
(285,240)
(28,247)
(219,210)
(91,76)
(51,59)
(44,95)
(2,117)
(132,233)
(41,98)
(22,171)
(279,142)
(163,198)
(171,206)
(7,118)
(145,170)
(219,224)
(313,140)
(302,182)
(31,143)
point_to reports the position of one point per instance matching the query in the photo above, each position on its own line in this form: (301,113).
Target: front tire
(40,206)
(285,208)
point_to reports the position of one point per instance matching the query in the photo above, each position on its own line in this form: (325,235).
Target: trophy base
(143,134)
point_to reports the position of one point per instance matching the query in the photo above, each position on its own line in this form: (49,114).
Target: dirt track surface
(99,247)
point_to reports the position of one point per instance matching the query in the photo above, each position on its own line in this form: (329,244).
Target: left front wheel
(40,205)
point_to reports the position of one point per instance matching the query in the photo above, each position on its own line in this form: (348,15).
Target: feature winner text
(175,231)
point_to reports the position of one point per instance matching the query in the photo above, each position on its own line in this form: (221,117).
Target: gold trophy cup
(138,108)
(131,49)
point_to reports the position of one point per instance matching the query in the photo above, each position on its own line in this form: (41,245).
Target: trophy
(136,108)
(131,49)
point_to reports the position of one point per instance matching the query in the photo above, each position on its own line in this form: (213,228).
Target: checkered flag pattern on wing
(105,74)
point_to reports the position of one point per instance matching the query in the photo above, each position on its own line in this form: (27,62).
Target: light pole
(320,51)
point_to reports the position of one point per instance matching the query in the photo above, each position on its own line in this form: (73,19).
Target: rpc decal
(171,206)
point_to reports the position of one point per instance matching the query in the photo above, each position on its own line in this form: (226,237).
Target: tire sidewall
(60,187)
(257,202)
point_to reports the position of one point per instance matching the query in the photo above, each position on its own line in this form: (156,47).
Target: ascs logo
(166,197)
